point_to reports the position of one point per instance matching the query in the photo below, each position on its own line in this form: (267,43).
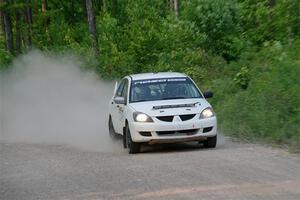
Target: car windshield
(163,89)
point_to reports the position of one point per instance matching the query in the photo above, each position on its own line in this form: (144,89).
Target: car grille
(166,118)
(187,132)
(171,117)
(186,117)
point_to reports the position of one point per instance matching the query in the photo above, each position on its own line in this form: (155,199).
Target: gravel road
(177,171)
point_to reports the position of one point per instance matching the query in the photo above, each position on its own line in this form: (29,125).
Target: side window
(120,88)
(125,90)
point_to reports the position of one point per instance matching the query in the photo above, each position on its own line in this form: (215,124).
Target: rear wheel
(210,142)
(133,147)
(111,129)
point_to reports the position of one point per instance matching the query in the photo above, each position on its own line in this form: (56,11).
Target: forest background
(246,51)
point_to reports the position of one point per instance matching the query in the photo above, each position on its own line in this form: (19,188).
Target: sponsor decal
(164,80)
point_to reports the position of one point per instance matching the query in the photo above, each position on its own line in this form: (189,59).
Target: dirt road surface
(177,171)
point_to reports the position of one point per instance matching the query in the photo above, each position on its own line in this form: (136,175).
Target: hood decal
(176,106)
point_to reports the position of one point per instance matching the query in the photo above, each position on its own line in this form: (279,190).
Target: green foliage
(265,23)
(220,22)
(5,59)
(149,41)
(242,78)
(269,108)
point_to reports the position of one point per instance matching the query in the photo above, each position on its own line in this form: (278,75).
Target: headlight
(141,117)
(206,113)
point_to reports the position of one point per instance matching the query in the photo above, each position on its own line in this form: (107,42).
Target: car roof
(156,75)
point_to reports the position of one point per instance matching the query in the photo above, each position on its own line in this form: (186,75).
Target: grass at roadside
(268,110)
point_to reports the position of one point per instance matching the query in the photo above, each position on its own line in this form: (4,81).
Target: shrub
(269,108)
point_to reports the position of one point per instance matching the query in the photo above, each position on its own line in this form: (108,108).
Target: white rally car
(161,108)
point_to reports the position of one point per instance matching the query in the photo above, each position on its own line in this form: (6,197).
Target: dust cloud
(48,99)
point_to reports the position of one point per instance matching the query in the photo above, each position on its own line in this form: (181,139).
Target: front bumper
(181,129)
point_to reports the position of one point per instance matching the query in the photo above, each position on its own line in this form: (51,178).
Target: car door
(117,110)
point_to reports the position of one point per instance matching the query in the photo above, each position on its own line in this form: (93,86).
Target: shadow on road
(177,147)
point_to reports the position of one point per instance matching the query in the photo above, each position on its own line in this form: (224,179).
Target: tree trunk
(28,21)
(171,3)
(92,25)
(18,32)
(271,3)
(44,6)
(174,5)
(8,30)
(104,5)
(8,33)
(2,24)
(176,8)
(46,18)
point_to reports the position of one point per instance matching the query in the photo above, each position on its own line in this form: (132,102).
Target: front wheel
(133,147)
(210,142)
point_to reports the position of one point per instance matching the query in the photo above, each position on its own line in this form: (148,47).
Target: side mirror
(208,94)
(119,100)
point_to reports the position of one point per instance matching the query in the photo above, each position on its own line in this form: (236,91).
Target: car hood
(171,107)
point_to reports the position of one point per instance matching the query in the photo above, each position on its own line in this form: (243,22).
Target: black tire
(112,132)
(124,138)
(210,142)
(133,147)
